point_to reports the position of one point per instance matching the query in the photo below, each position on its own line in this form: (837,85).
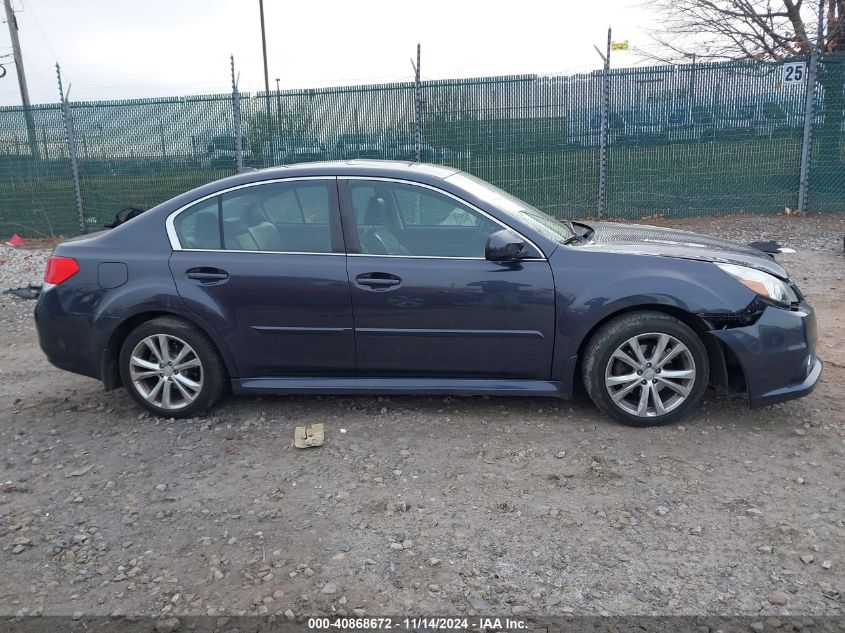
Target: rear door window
(198,227)
(280,217)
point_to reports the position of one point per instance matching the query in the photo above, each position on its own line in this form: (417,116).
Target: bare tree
(743,29)
(764,30)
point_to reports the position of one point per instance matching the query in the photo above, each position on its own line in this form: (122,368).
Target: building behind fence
(693,139)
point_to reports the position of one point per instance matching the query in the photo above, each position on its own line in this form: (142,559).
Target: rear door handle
(207,276)
(378,281)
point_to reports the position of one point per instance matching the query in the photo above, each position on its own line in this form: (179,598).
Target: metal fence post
(70,136)
(809,114)
(605,107)
(236,115)
(417,107)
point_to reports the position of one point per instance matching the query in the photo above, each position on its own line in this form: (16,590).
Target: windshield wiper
(572,238)
(576,236)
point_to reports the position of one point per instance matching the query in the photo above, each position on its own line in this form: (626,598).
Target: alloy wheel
(650,374)
(166,371)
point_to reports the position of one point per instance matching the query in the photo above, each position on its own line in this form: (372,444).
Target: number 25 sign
(793,73)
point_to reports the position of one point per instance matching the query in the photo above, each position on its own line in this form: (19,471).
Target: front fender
(592,287)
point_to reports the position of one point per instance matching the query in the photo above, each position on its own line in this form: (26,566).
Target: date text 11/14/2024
(417,623)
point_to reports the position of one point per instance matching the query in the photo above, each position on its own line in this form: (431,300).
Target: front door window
(402,219)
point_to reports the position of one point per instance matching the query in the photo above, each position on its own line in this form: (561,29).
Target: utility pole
(266,73)
(18,57)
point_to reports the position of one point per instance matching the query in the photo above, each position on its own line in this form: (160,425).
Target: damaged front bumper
(777,354)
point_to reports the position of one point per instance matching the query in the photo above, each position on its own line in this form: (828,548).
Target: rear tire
(645,369)
(171,368)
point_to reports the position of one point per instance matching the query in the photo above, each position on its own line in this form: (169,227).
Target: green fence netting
(36,189)
(140,153)
(827,165)
(702,139)
(682,140)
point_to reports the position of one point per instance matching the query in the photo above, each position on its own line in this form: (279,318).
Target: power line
(40,30)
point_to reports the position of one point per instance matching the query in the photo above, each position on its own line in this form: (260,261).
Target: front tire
(645,369)
(171,368)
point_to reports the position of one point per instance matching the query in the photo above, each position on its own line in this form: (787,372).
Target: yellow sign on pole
(619,46)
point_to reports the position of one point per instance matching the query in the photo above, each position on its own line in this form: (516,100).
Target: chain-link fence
(36,192)
(827,164)
(681,140)
(140,153)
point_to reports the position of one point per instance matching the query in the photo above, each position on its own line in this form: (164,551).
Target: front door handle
(207,276)
(378,281)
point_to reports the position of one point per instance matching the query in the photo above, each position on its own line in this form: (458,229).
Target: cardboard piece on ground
(309,437)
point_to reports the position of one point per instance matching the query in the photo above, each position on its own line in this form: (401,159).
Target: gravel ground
(423,504)
(21,266)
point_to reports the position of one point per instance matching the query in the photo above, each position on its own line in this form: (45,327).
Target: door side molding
(429,386)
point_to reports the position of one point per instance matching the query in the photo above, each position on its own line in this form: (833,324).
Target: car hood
(639,239)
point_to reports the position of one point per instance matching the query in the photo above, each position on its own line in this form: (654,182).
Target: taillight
(59,270)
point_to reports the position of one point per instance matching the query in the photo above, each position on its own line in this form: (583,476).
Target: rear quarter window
(198,226)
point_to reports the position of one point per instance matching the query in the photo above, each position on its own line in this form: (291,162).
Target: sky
(120,49)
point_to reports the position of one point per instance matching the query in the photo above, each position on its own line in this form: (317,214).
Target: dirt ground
(427,504)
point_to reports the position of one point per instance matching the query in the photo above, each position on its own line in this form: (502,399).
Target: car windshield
(303,141)
(639,117)
(513,206)
(226,142)
(772,110)
(736,112)
(355,138)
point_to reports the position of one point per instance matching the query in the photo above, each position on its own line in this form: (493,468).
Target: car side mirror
(504,246)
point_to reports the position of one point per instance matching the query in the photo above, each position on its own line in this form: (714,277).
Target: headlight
(763,284)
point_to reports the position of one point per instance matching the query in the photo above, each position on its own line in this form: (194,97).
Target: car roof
(358,167)
(399,170)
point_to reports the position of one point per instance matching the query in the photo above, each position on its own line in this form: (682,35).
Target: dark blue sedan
(383,277)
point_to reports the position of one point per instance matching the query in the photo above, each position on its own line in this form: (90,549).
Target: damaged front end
(767,351)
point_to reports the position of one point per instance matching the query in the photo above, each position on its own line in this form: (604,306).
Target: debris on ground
(15,240)
(32,291)
(771,247)
(309,437)
(21,268)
